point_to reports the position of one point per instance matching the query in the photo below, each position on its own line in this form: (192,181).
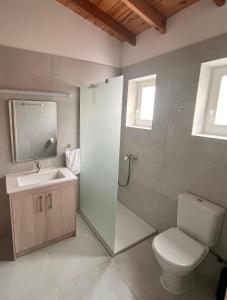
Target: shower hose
(129,175)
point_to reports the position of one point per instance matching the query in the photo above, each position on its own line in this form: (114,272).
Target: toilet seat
(179,250)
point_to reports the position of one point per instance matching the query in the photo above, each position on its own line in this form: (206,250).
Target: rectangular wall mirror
(33,126)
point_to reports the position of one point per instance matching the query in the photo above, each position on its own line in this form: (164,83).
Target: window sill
(138,127)
(219,137)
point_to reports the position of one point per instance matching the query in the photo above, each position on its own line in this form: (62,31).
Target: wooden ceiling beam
(105,19)
(63,2)
(219,2)
(147,13)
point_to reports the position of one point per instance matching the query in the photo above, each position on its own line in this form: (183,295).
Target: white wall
(47,26)
(198,22)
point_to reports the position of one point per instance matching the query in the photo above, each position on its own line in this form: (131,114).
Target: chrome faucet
(37,165)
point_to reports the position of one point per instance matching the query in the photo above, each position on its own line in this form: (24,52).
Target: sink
(31,180)
(37,178)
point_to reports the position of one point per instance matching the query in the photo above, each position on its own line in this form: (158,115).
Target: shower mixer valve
(131,157)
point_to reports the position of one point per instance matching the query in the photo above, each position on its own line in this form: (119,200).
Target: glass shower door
(100,127)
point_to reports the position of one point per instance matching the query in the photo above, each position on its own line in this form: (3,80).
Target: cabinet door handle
(40,203)
(49,196)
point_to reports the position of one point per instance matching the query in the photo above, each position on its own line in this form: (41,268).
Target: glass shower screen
(100,127)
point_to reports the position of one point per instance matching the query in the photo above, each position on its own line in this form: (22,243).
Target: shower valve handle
(131,157)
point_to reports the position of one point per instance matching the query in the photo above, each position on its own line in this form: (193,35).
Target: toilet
(180,250)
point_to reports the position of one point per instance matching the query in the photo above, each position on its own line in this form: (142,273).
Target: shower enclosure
(100,130)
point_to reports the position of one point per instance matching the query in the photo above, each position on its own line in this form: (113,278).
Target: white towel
(72,158)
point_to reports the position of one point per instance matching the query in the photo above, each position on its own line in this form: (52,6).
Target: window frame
(140,85)
(209,126)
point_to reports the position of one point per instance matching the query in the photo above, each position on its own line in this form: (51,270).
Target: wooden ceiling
(125,19)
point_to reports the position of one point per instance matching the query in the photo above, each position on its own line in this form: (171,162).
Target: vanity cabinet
(42,216)
(29,220)
(60,210)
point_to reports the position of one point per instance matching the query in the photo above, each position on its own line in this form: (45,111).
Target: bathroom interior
(113,149)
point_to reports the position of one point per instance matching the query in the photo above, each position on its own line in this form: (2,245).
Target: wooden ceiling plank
(170,8)
(63,2)
(219,2)
(106,20)
(105,5)
(147,13)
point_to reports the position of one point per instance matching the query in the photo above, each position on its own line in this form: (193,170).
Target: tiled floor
(80,269)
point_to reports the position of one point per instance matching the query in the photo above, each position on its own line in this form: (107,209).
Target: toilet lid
(178,249)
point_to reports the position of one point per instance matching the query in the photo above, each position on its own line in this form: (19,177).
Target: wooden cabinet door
(61,211)
(28,221)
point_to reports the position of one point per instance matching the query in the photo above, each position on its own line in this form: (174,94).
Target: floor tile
(100,283)
(75,256)
(28,277)
(37,295)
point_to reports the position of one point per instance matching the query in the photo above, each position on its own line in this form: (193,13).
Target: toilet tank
(199,218)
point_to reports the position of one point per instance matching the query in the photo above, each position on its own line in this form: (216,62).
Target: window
(145,103)
(210,117)
(221,111)
(216,114)
(141,100)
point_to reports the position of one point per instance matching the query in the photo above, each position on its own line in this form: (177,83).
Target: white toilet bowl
(180,250)
(178,255)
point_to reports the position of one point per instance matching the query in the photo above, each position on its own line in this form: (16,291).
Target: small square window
(216,112)
(210,117)
(141,101)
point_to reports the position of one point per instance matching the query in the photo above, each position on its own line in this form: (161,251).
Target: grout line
(83,273)
(115,267)
(167,130)
(60,285)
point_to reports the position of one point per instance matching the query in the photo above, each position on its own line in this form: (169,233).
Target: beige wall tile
(22,69)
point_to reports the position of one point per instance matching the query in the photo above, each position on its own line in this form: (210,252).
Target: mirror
(33,126)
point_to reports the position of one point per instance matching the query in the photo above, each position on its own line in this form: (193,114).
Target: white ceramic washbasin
(31,180)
